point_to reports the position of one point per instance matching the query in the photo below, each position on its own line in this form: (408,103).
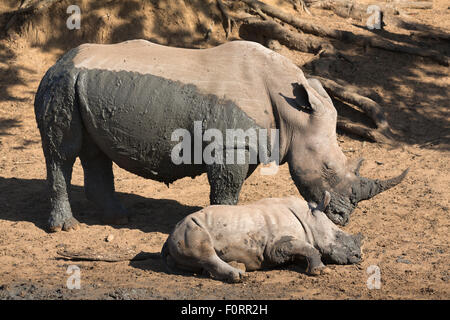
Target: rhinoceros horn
(367,188)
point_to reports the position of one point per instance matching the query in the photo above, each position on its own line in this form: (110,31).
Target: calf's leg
(191,249)
(290,249)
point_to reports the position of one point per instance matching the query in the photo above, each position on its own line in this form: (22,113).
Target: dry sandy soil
(406,229)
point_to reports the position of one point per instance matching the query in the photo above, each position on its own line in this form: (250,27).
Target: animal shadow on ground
(27,200)
(152,261)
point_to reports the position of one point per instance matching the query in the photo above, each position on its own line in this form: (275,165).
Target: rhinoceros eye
(330,175)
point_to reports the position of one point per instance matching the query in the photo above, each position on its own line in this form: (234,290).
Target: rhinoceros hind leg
(59,174)
(226,180)
(61,143)
(221,270)
(192,250)
(99,183)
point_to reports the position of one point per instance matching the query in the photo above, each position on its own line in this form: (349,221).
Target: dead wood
(115,256)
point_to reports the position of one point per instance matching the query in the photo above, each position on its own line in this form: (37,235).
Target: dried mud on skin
(406,228)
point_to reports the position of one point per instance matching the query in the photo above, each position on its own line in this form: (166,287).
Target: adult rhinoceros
(121,103)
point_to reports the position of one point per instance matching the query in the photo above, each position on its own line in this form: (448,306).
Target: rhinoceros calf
(122,103)
(263,234)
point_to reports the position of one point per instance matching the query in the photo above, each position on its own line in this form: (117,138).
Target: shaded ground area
(406,229)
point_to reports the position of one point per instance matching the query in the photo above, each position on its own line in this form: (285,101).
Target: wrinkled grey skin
(120,103)
(260,235)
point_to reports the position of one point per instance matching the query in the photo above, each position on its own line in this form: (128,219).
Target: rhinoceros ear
(359,238)
(325,201)
(316,96)
(315,83)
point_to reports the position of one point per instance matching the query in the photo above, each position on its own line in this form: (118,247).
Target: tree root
(230,21)
(370,107)
(27,8)
(346,36)
(373,110)
(261,31)
(375,135)
(300,5)
(266,31)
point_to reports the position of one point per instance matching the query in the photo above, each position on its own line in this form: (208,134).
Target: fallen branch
(88,255)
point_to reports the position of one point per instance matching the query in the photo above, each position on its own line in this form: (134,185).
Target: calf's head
(336,246)
(317,163)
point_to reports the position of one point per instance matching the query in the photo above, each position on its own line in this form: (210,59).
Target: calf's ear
(325,201)
(359,238)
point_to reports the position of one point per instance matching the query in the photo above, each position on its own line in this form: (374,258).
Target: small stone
(109,238)
(401,260)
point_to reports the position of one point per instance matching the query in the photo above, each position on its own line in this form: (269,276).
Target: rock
(402,260)
(109,238)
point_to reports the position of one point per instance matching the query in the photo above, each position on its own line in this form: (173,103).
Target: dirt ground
(406,229)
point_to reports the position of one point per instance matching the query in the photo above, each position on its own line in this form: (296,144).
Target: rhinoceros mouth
(339,209)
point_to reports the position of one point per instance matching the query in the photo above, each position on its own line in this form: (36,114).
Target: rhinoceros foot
(57,224)
(317,271)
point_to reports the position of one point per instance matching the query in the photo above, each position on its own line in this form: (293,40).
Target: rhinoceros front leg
(226,180)
(290,249)
(99,183)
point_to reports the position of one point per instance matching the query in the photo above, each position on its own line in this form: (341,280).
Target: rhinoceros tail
(57,87)
(57,112)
